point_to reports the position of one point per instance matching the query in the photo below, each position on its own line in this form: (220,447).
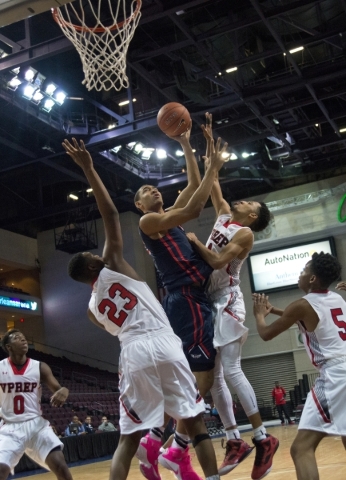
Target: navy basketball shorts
(190,315)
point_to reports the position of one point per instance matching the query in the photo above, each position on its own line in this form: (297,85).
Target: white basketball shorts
(34,437)
(324,409)
(155,378)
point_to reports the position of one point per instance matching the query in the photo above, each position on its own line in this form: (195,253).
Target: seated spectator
(88,425)
(74,428)
(106,426)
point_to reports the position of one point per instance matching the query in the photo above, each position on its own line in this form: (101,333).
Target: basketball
(173,119)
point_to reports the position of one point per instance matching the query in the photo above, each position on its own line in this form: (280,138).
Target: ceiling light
(59,97)
(146,153)
(179,153)
(29,74)
(48,105)
(233,157)
(37,97)
(29,91)
(194,150)
(126,102)
(130,145)
(245,155)
(161,153)
(232,69)
(342,130)
(225,155)
(73,196)
(294,50)
(138,148)
(14,83)
(89,190)
(15,70)
(50,88)
(116,149)
(112,125)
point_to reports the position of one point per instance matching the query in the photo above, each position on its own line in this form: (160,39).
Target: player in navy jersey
(23,429)
(183,272)
(321,318)
(155,375)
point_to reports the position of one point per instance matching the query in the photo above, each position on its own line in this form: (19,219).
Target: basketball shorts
(229,316)
(34,437)
(190,315)
(155,378)
(324,409)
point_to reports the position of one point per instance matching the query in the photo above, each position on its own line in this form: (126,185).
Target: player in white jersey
(155,376)
(227,247)
(321,318)
(23,429)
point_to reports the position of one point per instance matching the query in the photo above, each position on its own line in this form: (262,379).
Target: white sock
(180,441)
(233,434)
(260,433)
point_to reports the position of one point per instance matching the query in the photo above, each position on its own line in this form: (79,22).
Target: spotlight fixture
(29,74)
(50,88)
(59,96)
(48,105)
(161,153)
(29,91)
(130,145)
(14,83)
(89,190)
(146,153)
(73,196)
(112,125)
(295,50)
(37,96)
(179,153)
(116,149)
(232,69)
(15,70)
(126,102)
(245,155)
(226,155)
(342,130)
(138,148)
(233,157)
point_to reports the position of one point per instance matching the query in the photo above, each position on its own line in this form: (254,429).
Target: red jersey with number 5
(20,392)
(126,307)
(328,340)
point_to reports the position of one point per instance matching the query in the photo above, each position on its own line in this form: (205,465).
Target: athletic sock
(233,434)
(260,433)
(213,477)
(156,433)
(180,441)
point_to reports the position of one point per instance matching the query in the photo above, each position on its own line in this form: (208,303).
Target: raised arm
(153,223)
(113,248)
(192,171)
(241,244)
(60,393)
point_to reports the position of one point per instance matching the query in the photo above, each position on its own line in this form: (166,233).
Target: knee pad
(199,438)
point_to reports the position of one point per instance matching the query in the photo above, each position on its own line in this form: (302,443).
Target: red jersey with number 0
(328,340)
(126,307)
(20,392)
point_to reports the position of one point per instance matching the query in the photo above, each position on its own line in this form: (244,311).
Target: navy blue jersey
(178,263)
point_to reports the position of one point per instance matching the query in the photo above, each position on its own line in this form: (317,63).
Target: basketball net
(102,48)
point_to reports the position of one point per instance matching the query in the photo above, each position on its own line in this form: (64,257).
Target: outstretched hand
(217,158)
(261,304)
(341,286)
(78,153)
(183,138)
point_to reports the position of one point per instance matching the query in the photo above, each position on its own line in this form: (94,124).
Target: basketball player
(156,376)
(184,274)
(228,246)
(320,316)
(23,429)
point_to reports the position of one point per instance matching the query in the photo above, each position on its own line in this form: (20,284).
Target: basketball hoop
(102,48)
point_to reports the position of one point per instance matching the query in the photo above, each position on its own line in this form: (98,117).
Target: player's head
(148,199)
(254,215)
(277,384)
(322,270)
(14,342)
(85,267)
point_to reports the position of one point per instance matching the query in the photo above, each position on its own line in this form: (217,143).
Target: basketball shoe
(147,454)
(179,462)
(236,452)
(265,451)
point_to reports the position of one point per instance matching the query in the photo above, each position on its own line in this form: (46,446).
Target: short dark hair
(6,338)
(137,195)
(326,268)
(263,218)
(77,268)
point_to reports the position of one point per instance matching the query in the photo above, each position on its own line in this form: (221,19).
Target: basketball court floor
(331,458)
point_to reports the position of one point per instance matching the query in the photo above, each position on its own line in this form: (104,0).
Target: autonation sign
(18,303)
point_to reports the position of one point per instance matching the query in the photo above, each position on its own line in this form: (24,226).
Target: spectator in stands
(279,400)
(106,426)
(88,427)
(74,428)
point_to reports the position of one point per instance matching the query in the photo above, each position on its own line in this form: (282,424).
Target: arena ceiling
(284,105)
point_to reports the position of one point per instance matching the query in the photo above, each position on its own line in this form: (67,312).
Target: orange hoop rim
(116,26)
